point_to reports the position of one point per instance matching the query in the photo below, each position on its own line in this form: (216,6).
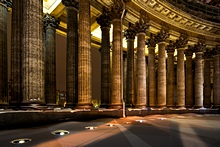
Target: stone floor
(170,130)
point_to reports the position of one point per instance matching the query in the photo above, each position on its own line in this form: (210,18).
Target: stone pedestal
(16,41)
(189,78)
(72,52)
(170,75)
(84,62)
(50,25)
(33,51)
(105,23)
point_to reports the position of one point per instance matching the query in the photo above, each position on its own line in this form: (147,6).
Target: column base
(116,106)
(198,107)
(207,106)
(189,106)
(162,107)
(104,106)
(33,106)
(216,106)
(84,106)
(180,107)
(141,106)
(70,105)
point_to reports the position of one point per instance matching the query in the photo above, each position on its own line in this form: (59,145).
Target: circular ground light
(140,121)
(20,141)
(110,125)
(127,122)
(90,128)
(60,132)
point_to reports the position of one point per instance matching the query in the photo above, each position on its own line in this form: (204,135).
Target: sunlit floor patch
(20,141)
(60,132)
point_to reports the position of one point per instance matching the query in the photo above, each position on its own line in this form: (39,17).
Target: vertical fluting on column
(50,25)
(216,81)
(189,78)
(33,68)
(161,38)
(116,93)
(141,28)
(84,62)
(170,74)
(105,23)
(72,52)
(4,4)
(199,75)
(151,71)
(16,41)
(130,36)
(207,79)
(180,45)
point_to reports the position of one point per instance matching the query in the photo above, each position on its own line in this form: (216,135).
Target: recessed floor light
(60,132)
(21,141)
(90,127)
(141,121)
(110,125)
(127,122)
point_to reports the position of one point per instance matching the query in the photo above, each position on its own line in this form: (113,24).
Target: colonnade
(152,84)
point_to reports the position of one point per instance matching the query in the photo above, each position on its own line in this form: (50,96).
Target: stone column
(84,62)
(170,75)
(116,93)
(105,23)
(189,78)
(33,63)
(130,93)
(72,52)
(50,25)
(207,79)
(124,74)
(151,71)
(199,75)
(141,28)
(216,79)
(161,96)
(16,40)
(180,45)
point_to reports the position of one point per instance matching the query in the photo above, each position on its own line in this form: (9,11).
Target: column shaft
(207,84)
(216,81)
(84,62)
(189,82)
(170,80)
(33,68)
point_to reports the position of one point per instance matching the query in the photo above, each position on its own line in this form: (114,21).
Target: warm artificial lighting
(20,141)
(90,127)
(60,132)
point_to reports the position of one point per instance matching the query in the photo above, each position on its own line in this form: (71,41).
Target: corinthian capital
(200,46)
(116,10)
(162,36)
(143,24)
(182,41)
(50,21)
(6,2)
(171,47)
(104,20)
(130,32)
(151,42)
(71,3)
(189,51)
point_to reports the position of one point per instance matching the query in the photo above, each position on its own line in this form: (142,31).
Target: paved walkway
(190,130)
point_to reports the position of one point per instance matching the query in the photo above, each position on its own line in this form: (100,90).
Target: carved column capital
(116,10)
(104,20)
(200,46)
(171,47)
(142,25)
(181,42)
(216,50)
(50,21)
(162,36)
(71,3)
(208,54)
(130,33)
(151,42)
(8,3)
(189,51)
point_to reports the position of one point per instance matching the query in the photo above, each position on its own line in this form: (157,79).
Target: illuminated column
(72,52)
(116,93)
(170,75)
(124,74)
(50,25)
(216,79)
(16,41)
(141,28)
(151,71)
(199,75)
(189,77)
(161,96)
(180,45)
(130,36)
(207,79)
(33,62)
(105,23)
(84,62)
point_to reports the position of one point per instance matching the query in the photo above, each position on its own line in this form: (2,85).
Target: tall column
(180,45)
(16,40)
(85,63)
(116,93)
(199,75)
(105,23)
(216,81)
(161,38)
(170,75)
(50,25)
(207,79)
(151,71)
(141,28)
(72,52)
(33,63)
(130,36)
(189,78)
(124,75)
